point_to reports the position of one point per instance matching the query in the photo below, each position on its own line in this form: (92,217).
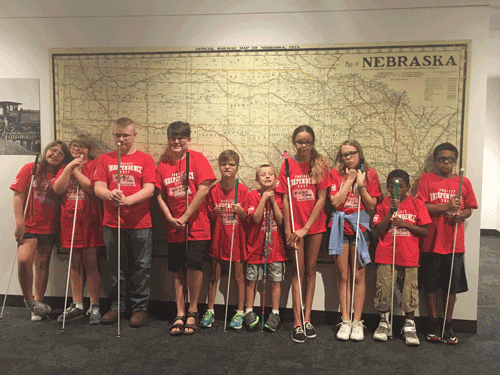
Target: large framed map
(398,100)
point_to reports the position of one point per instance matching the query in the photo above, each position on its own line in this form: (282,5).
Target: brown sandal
(196,326)
(177,325)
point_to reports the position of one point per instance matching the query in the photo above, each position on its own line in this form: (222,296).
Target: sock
(409,321)
(211,310)
(79,305)
(240,312)
(384,316)
(94,304)
(277,312)
(248,310)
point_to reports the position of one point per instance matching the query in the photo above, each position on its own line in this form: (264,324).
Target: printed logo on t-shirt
(42,196)
(303,195)
(351,200)
(125,167)
(411,218)
(71,194)
(442,196)
(301,181)
(125,180)
(178,191)
(177,177)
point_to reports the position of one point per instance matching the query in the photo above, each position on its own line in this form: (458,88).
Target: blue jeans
(135,264)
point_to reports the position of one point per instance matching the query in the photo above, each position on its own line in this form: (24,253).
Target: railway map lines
(398,101)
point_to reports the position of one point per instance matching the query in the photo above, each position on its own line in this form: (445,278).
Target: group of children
(252,230)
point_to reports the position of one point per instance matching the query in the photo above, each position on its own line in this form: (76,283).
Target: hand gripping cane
(396,196)
(287,168)
(33,171)
(453,255)
(231,252)
(118,179)
(71,253)
(267,243)
(361,168)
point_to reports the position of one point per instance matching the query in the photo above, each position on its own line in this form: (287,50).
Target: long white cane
(453,254)
(235,218)
(71,254)
(287,169)
(394,230)
(33,171)
(118,177)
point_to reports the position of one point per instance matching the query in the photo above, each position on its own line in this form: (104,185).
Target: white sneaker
(382,331)
(410,334)
(35,318)
(344,330)
(357,333)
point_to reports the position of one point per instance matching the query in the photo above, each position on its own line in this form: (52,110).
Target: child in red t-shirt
(222,208)
(350,187)
(265,219)
(36,232)
(438,191)
(87,228)
(406,218)
(309,181)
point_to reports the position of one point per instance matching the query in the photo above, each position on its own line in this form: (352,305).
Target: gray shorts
(276,271)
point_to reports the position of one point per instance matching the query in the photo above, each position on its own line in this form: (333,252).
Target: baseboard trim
(490,232)
(166,310)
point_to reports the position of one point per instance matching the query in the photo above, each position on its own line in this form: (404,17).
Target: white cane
(453,254)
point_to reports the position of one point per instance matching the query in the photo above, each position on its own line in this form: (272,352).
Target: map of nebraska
(399,101)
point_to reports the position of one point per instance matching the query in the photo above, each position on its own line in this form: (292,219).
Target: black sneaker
(250,320)
(272,322)
(72,313)
(298,334)
(449,337)
(310,331)
(434,334)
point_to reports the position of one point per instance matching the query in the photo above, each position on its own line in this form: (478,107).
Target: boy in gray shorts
(265,217)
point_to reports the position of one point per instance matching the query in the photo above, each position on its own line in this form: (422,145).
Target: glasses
(345,155)
(303,143)
(124,136)
(180,139)
(450,159)
(56,151)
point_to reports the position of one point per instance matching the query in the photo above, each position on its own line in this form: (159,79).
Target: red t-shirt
(257,232)
(42,204)
(222,225)
(412,211)
(433,189)
(170,179)
(350,205)
(137,169)
(88,225)
(304,194)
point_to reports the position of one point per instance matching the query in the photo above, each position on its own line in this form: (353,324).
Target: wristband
(362,186)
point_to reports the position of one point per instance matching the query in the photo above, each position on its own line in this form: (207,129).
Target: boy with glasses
(137,181)
(438,191)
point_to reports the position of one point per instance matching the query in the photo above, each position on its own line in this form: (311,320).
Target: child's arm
(240,211)
(368,201)
(61,184)
(83,180)
(417,230)
(381,228)
(164,208)
(259,211)
(341,195)
(19,215)
(199,198)
(286,217)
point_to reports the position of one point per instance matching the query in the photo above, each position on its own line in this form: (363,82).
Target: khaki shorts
(409,275)
(276,271)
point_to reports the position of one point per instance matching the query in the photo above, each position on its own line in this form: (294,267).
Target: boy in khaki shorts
(408,217)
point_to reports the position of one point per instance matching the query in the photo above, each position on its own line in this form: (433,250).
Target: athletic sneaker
(310,331)
(207,319)
(237,321)
(357,333)
(94,313)
(35,318)
(298,334)
(344,330)
(273,321)
(409,332)
(72,313)
(434,334)
(382,331)
(38,308)
(449,337)
(250,320)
